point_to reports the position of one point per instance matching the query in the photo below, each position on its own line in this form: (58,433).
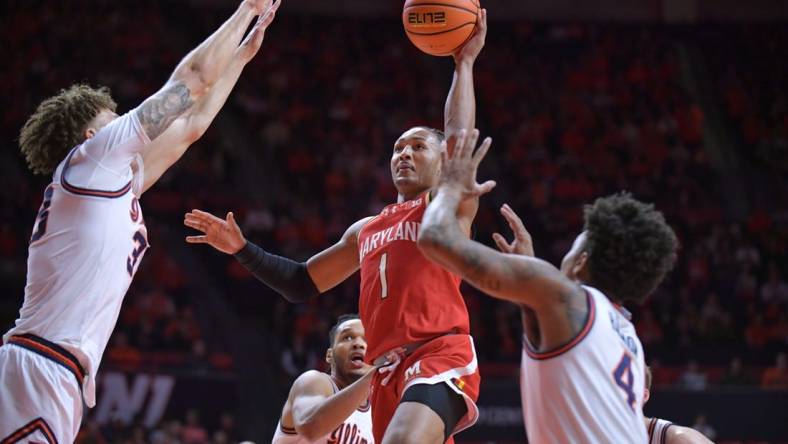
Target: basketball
(440,28)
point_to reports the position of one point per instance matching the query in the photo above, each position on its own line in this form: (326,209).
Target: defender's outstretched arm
(198,71)
(520,279)
(163,152)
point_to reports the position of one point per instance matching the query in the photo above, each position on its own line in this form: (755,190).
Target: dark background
(683,103)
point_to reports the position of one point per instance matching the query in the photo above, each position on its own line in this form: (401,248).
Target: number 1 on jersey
(384,288)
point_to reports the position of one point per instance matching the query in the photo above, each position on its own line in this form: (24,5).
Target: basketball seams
(444,31)
(446,5)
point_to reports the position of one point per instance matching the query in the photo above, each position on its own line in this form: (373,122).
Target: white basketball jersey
(658,431)
(356,429)
(86,246)
(590,390)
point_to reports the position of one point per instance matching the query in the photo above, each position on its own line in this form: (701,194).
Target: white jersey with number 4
(590,390)
(87,242)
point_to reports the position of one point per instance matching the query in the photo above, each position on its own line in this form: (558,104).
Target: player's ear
(646,395)
(580,267)
(329,357)
(89,133)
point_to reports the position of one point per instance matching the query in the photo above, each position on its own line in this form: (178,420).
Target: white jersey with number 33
(591,389)
(87,242)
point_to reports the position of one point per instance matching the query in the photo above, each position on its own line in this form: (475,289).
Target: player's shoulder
(685,435)
(311,383)
(354,230)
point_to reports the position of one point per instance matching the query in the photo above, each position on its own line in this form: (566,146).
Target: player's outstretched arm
(460,109)
(520,279)
(163,152)
(317,411)
(295,281)
(198,71)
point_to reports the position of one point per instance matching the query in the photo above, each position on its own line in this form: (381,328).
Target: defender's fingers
(196,239)
(482,151)
(269,15)
(471,144)
(500,241)
(486,187)
(459,144)
(515,223)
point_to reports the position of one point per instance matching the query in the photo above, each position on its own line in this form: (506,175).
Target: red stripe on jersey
(88,191)
(29,428)
(576,340)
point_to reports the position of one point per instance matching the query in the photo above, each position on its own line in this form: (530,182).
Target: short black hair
(440,135)
(342,319)
(630,247)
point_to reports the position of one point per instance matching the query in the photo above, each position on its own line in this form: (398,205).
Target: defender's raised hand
(251,44)
(224,235)
(522,243)
(458,171)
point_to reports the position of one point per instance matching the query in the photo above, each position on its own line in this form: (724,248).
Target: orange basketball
(440,27)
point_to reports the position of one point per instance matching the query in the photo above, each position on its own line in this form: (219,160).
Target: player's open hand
(224,235)
(522,243)
(458,171)
(254,39)
(471,49)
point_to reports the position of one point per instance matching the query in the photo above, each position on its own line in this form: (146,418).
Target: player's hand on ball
(251,44)
(522,243)
(224,235)
(458,171)
(471,49)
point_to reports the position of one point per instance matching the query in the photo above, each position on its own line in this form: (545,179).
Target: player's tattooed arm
(558,303)
(521,279)
(158,112)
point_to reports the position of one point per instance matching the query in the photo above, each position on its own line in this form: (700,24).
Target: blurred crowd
(190,430)
(301,151)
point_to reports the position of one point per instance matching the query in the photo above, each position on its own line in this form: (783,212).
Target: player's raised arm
(520,279)
(317,410)
(460,110)
(198,71)
(295,281)
(189,127)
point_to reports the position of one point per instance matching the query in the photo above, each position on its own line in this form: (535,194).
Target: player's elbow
(196,130)
(195,78)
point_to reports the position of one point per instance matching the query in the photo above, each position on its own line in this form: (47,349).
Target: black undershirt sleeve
(289,278)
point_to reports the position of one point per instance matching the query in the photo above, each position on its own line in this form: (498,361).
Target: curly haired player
(89,236)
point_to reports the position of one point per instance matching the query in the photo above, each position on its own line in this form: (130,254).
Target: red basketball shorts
(449,359)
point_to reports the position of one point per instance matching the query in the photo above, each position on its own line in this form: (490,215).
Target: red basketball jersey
(404,296)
